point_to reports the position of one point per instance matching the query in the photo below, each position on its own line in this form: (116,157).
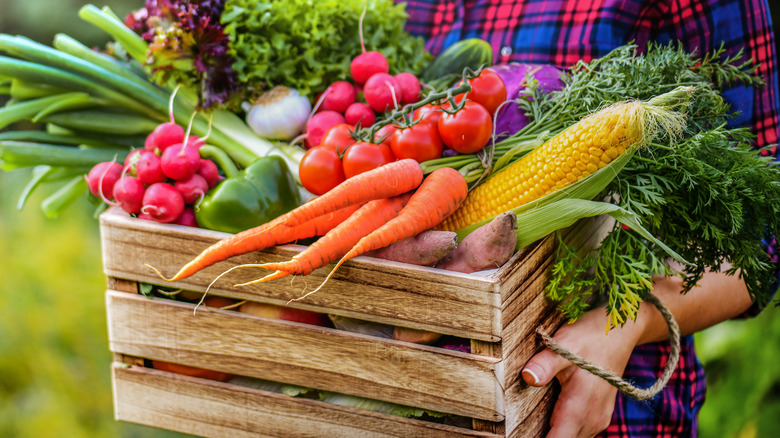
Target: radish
(132,160)
(180,161)
(167,134)
(410,87)
(102,178)
(148,169)
(149,142)
(338,97)
(366,64)
(210,172)
(319,124)
(129,193)
(360,112)
(382,92)
(192,189)
(162,202)
(187,218)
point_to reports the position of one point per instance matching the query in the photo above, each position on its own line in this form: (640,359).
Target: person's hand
(585,404)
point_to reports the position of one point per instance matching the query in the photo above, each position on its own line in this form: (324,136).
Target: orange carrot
(442,192)
(386,181)
(339,240)
(257,238)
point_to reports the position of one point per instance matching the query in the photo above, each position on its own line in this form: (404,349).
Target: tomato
(321,170)
(363,156)
(385,134)
(338,137)
(487,89)
(430,112)
(420,142)
(190,371)
(468,130)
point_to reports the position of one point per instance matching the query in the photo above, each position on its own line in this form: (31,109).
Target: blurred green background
(54,357)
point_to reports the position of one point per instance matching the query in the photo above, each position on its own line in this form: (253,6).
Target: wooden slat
(215,409)
(288,352)
(465,305)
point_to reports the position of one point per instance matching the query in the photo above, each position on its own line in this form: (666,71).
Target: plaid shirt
(561,32)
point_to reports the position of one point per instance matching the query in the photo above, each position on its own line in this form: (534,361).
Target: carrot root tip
(269,277)
(159,274)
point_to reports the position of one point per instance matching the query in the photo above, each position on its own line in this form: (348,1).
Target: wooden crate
(497,311)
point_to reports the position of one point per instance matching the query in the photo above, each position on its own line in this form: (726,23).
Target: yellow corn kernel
(580,150)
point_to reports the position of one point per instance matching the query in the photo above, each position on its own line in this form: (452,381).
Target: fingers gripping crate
(497,311)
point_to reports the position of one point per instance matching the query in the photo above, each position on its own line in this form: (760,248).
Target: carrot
(386,181)
(257,238)
(339,240)
(442,192)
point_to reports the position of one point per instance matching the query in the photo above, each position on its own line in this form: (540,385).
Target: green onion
(55,204)
(16,154)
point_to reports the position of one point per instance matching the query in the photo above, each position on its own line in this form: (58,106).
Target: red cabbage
(511,117)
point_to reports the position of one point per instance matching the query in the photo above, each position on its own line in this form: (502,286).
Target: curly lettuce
(308,44)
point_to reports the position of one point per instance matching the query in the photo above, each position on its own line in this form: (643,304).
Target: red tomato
(338,137)
(487,89)
(420,142)
(362,156)
(430,112)
(385,134)
(321,170)
(468,130)
(190,371)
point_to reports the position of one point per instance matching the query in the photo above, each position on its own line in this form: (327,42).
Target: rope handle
(615,380)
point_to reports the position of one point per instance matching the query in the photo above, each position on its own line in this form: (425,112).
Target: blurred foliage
(741,358)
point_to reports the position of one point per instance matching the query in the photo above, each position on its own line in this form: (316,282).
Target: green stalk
(15,154)
(37,73)
(103,121)
(21,90)
(19,111)
(55,204)
(46,137)
(135,46)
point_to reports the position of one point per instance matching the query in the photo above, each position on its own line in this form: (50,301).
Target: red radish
(102,177)
(129,193)
(360,112)
(132,160)
(367,64)
(192,189)
(148,169)
(410,87)
(195,142)
(210,172)
(149,142)
(338,97)
(180,161)
(145,216)
(167,134)
(187,218)
(382,92)
(319,124)
(162,202)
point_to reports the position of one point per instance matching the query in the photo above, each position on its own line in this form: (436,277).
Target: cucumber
(471,52)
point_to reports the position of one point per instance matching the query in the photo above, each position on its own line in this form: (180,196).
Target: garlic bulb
(278,114)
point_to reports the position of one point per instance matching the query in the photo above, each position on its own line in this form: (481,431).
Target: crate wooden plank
(289,352)
(216,409)
(465,305)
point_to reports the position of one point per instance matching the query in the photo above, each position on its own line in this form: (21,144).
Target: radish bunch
(372,92)
(161,182)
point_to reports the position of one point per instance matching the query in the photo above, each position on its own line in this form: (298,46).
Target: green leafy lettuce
(308,44)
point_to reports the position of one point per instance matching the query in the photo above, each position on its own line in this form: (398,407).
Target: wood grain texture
(300,354)
(215,409)
(465,305)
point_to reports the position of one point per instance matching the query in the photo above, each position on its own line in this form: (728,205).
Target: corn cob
(568,157)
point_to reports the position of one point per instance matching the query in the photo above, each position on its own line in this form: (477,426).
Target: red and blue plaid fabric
(560,33)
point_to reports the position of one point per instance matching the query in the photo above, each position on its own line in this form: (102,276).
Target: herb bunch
(708,194)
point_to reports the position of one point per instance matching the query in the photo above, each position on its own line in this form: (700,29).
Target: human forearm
(716,298)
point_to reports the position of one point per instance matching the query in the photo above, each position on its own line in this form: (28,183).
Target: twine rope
(622,385)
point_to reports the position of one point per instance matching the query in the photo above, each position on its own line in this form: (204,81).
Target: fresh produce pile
(228,115)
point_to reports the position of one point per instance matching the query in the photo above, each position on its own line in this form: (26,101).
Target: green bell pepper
(245,199)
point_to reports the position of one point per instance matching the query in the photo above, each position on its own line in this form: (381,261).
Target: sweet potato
(488,247)
(424,249)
